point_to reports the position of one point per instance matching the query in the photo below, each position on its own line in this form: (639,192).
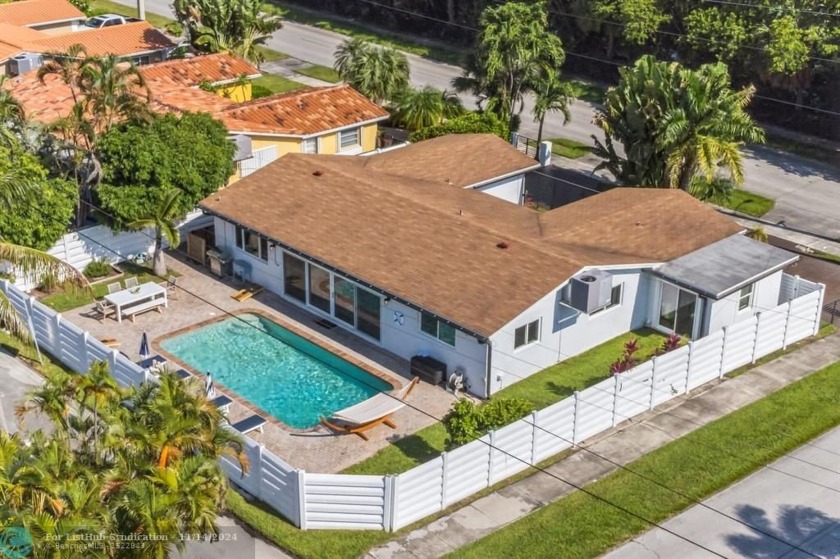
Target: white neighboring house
(495,290)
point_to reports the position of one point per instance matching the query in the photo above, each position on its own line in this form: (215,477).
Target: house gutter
(488,374)
(480,337)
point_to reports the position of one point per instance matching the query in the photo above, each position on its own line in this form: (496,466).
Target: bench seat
(154,304)
(254,422)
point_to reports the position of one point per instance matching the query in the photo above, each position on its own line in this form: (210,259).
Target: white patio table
(146,295)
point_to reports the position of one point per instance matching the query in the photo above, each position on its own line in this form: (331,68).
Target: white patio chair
(131,282)
(114,287)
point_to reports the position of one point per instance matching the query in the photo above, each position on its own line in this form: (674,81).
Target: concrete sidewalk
(624,444)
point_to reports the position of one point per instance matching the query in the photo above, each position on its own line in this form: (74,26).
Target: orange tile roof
(42,102)
(120,40)
(437,246)
(304,112)
(33,12)
(191,72)
(13,39)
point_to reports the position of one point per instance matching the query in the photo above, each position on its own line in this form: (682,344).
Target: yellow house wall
(327,143)
(369,134)
(238,93)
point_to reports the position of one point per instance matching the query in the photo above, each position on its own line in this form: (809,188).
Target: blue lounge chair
(183,374)
(254,422)
(222,402)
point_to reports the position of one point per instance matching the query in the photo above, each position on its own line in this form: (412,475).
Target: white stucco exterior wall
(765,296)
(511,189)
(563,335)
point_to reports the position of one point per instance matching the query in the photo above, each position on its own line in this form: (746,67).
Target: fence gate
(526,145)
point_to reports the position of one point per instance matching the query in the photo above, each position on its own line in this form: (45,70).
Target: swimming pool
(283,373)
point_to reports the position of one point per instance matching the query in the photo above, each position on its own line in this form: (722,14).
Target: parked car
(108,20)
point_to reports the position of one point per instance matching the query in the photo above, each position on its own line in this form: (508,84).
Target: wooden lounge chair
(110,342)
(248,292)
(370,413)
(254,422)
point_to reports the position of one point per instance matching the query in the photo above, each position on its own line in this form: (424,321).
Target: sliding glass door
(294,277)
(320,292)
(345,301)
(677,310)
(369,312)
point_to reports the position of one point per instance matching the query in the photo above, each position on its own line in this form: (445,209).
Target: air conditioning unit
(590,291)
(244,149)
(24,63)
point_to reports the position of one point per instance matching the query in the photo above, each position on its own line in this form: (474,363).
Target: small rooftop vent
(318,173)
(590,291)
(502,245)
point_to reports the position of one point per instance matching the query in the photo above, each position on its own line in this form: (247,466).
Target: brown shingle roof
(33,12)
(191,72)
(304,112)
(120,40)
(436,246)
(442,160)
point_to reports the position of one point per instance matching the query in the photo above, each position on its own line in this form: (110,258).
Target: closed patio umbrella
(144,347)
(209,389)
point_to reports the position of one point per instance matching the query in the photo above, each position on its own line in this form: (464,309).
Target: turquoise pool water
(286,375)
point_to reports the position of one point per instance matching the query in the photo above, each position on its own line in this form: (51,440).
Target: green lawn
(697,465)
(810,151)
(65,300)
(352,29)
(270,55)
(588,91)
(749,203)
(108,7)
(542,389)
(26,353)
(570,149)
(269,84)
(320,73)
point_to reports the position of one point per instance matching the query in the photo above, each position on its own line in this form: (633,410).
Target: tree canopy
(44,217)
(140,160)
(380,73)
(673,124)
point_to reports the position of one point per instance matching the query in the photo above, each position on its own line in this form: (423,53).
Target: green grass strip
(570,149)
(697,465)
(749,203)
(322,73)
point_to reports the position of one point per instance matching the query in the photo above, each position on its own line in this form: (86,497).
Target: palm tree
(552,94)
(379,73)
(420,108)
(113,91)
(12,118)
(162,219)
(705,130)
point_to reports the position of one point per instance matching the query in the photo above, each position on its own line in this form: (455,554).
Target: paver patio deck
(202,297)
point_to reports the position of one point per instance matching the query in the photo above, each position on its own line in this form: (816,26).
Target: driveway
(797,502)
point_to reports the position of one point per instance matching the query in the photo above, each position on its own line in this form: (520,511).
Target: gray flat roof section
(726,266)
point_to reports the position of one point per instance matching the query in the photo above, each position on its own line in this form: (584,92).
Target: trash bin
(220,262)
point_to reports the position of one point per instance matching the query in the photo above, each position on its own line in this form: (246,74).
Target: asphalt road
(807,193)
(791,511)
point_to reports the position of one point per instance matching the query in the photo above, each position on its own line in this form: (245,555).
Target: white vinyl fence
(334,501)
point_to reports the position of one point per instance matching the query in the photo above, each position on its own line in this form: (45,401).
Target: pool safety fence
(375,502)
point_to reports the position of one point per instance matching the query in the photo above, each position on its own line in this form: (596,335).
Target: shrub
(627,360)
(466,421)
(258,91)
(174,28)
(472,123)
(8,276)
(98,268)
(49,282)
(672,342)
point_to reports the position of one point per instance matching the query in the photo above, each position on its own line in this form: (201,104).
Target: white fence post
(787,324)
(490,472)
(755,338)
(722,352)
(389,516)
(301,481)
(575,424)
(534,437)
(615,400)
(820,300)
(84,351)
(688,367)
(652,381)
(444,471)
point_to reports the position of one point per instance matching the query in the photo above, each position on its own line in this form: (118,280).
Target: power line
(578,487)
(604,61)
(758,6)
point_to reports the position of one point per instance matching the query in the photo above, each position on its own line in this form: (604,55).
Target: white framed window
(430,325)
(252,243)
(745,297)
(616,298)
(526,334)
(349,139)
(310,145)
